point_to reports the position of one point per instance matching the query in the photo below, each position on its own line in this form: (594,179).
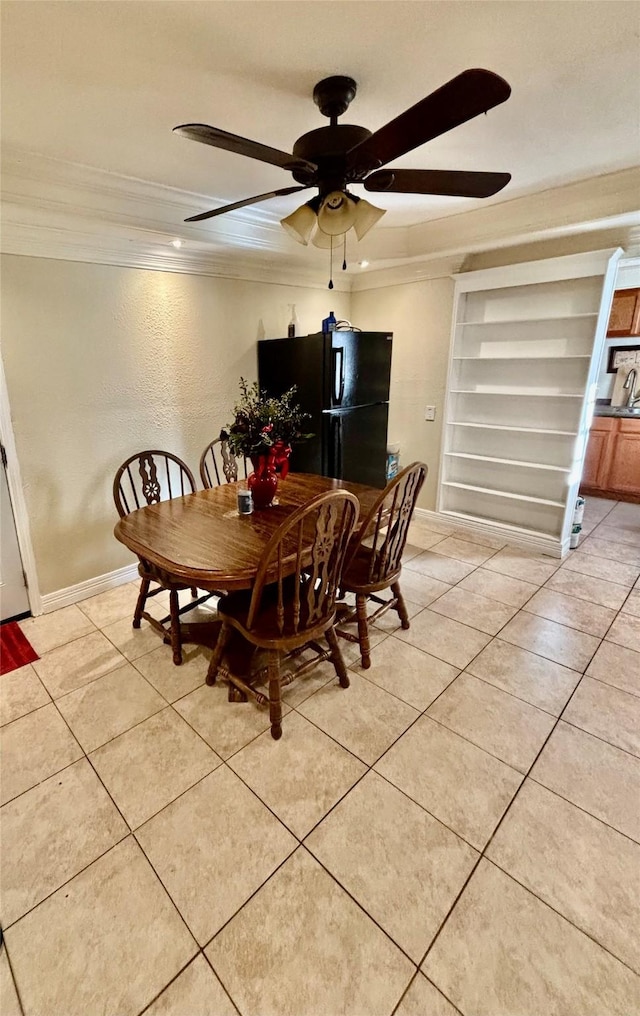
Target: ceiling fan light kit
(335,157)
(337,213)
(300,224)
(366,217)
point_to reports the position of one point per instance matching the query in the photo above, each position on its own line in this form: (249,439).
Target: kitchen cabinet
(520,385)
(598,457)
(625,313)
(612,462)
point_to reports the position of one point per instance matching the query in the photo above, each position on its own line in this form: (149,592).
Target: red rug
(15,650)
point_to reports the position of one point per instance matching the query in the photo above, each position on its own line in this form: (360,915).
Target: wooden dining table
(201,540)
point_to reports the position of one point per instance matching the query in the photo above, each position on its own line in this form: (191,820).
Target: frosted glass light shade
(337,213)
(323,240)
(300,223)
(366,217)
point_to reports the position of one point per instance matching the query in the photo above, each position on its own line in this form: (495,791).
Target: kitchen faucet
(631,400)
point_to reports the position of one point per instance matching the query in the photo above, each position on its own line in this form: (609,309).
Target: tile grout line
(518,698)
(132,832)
(12,975)
(359,905)
(302,843)
(370,767)
(525,777)
(224,987)
(579,807)
(200,952)
(423,713)
(501,820)
(420,973)
(563,917)
(598,737)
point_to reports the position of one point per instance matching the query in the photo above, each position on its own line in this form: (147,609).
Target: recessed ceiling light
(363,264)
(176,243)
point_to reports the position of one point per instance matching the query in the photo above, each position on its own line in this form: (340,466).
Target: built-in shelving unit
(525,351)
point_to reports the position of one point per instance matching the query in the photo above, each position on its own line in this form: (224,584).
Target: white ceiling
(101,84)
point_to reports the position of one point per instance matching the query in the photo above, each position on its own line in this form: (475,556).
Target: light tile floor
(458,832)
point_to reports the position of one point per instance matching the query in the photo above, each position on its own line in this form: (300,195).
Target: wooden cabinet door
(624,474)
(625,313)
(598,456)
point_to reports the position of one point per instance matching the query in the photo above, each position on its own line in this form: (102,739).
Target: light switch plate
(430,413)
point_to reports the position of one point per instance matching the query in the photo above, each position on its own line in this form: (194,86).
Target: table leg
(238,652)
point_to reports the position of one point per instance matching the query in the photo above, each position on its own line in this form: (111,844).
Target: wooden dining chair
(218,463)
(293,599)
(147,478)
(374,559)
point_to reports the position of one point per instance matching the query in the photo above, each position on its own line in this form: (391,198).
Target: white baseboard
(91,587)
(550,545)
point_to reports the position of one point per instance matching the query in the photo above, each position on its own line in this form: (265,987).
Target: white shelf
(503,493)
(517,430)
(507,462)
(516,530)
(515,392)
(527,320)
(563,356)
(525,344)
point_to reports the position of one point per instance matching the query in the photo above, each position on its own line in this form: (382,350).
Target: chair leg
(275,705)
(176,643)
(336,657)
(194,593)
(400,605)
(216,659)
(363,631)
(142,599)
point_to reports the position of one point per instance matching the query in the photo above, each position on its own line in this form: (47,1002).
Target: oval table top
(201,539)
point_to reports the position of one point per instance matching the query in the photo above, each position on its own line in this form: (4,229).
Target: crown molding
(68,245)
(414,270)
(62,210)
(604,202)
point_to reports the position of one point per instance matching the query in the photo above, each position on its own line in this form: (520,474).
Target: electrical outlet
(430,413)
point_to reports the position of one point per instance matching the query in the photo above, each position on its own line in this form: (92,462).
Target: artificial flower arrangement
(265,428)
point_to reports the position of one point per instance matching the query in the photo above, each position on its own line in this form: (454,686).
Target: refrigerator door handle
(337,394)
(335,465)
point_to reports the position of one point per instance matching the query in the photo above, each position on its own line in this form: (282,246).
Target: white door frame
(14,481)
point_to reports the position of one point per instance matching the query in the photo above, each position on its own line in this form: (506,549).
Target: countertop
(620,411)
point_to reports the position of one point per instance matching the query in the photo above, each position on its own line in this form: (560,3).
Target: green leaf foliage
(261,421)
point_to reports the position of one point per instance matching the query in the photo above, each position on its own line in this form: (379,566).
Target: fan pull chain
(344,254)
(331,264)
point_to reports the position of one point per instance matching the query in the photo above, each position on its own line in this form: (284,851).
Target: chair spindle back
(212,472)
(385,529)
(316,537)
(150,477)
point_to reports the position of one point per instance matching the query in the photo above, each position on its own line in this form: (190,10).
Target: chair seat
(292,602)
(265,631)
(151,476)
(356,579)
(368,571)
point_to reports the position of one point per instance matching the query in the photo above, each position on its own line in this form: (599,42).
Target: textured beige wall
(419,314)
(101,361)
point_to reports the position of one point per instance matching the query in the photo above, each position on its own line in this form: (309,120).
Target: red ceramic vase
(263,481)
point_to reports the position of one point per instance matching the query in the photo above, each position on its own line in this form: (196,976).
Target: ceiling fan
(331,158)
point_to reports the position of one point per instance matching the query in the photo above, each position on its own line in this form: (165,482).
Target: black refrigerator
(342,379)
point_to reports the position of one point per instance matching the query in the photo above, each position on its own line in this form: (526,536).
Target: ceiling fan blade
(473,92)
(242,146)
(241,204)
(437,181)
